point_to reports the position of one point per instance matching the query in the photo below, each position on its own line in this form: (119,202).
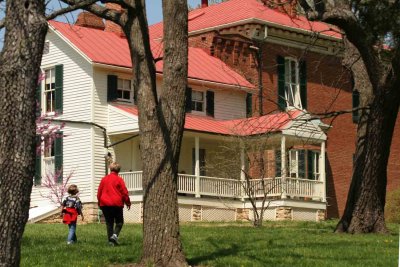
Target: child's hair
(115,167)
(73,189)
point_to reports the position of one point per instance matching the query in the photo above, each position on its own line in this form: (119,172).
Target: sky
(154,13)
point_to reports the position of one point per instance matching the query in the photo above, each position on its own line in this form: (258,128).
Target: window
(49,91)
(49,161)
(124,90)
(48,157)
(292,85)
(198,101)
(296,164)
(313,165)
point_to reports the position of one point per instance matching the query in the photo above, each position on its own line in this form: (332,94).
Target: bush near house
(392,208)
(216,244)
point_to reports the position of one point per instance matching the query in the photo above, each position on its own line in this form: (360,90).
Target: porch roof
(291,123)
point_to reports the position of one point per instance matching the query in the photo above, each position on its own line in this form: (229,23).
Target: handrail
(234,188)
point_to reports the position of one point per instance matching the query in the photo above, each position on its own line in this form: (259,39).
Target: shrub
(392,208)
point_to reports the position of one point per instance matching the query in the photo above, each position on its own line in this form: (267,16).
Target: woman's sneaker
(114,239)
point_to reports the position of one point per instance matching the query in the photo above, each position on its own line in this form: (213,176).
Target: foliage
(392,208)
(56,190)
(216,244)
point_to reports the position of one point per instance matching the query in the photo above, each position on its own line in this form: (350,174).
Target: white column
(197,165)
(242,174)
(323,172)
(283,166)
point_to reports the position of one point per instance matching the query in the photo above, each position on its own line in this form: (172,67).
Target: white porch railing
(231,188)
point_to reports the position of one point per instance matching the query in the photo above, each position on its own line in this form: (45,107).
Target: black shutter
(210,103)
(188,102)
(278,163)
(112,86)
(356,104)
(249,105)
(59,77)
(310,164)
(302,164)
(303,83)
(38,162)
(281,83)
(58,156)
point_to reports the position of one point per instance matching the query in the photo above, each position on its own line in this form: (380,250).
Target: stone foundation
(196,213)
(283,214)
(242,215)
(321,215)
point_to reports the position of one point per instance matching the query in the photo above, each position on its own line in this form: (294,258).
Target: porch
(204,186)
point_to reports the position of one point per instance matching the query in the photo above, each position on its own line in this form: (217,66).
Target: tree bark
(161,120)
(364,212)
(20,59)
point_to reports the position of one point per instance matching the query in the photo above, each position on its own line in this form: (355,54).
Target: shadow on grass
(219,252)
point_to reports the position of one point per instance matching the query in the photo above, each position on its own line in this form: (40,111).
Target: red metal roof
(238,10)
(111,49)
(250,126)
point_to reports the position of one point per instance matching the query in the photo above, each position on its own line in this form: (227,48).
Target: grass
(216,244)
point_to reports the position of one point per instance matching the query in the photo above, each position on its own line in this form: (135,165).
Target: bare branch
(106,13)
(77,5)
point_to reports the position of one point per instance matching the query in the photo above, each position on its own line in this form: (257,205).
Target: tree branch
(77,5)
(346,20)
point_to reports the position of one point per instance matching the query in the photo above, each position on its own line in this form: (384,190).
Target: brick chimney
(288,7)
(204,3)
(111,26)
(89,20)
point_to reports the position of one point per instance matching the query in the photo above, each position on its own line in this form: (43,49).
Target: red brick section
(89,20)
(328,89)
(111,26)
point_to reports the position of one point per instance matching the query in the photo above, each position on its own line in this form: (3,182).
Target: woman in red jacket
(111,196)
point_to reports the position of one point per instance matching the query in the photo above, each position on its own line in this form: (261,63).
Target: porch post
(242,174)
(283,166)
(323,172)
(197,165)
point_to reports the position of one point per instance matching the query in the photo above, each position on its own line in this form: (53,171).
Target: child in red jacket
(71,208)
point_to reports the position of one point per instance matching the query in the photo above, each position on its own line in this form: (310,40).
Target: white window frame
(195,102)
(293,163)
(316,166)
(52,79)
(123,89)
(47,157)
(292,83)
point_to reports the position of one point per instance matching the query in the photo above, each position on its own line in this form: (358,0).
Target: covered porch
(218,161)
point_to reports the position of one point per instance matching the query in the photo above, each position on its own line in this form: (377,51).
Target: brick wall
(328,89)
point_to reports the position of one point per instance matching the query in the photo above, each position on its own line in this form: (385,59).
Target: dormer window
(124,90)
(198,101)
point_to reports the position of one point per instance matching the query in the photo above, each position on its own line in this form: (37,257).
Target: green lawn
(231,244)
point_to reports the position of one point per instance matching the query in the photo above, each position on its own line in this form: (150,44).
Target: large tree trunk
(19,67)
(364,212)
(161,120)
